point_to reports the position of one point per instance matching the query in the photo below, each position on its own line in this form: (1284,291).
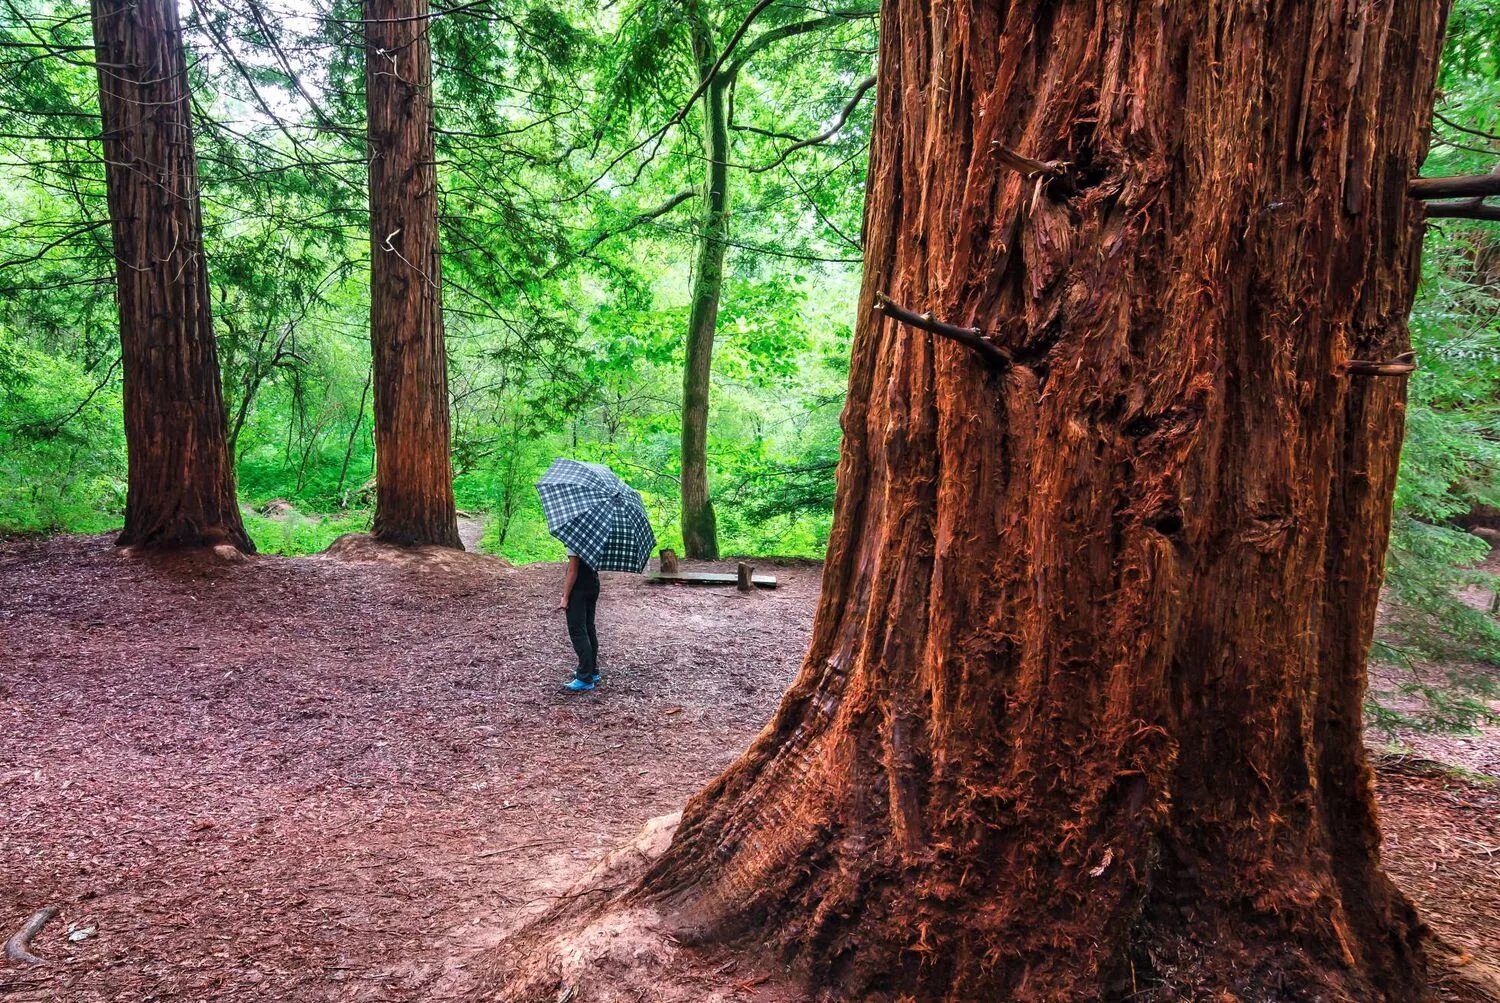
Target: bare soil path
(336,780)
(470,532)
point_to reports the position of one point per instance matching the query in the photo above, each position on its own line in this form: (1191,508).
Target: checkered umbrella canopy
(596,515)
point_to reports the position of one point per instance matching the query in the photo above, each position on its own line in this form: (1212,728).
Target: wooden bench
(707,578)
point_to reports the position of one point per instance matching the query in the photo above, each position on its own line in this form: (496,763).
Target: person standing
(580,599)
(602,521)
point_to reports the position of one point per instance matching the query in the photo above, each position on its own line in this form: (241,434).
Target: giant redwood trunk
(180,480)
(700,536)
(413,470)
(1081,715)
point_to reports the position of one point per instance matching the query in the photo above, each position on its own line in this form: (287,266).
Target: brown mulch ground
(316,780)
(1442,845)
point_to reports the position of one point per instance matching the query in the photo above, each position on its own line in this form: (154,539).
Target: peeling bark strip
(1081,715)
(180,479)
(413,470)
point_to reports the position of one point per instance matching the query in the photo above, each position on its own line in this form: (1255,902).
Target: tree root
(588,943)
(603,943)
(1459,975)
(16,946)
(600,944)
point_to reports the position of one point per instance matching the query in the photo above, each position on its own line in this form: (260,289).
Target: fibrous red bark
(180,481)
(1081,717)
(413,469)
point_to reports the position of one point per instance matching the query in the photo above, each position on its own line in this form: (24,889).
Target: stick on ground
(16,946)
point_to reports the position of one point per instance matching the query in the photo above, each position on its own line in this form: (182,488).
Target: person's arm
(568,582)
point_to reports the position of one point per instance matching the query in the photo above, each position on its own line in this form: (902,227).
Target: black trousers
(582,602)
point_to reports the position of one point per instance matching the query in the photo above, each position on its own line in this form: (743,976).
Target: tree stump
(746,577)
(669,560)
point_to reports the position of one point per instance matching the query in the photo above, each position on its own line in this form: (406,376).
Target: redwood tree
(1081,714)
(413,470)
(180,479)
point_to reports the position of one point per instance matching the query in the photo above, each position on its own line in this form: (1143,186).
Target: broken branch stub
(970,337)
(1402,365)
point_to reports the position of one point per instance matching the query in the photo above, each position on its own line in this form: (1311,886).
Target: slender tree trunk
(1081,715)
(312,441)
(180,482)
(359,417)
(413,471)
(700,537)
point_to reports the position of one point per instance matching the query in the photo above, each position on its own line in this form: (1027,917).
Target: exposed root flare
(361,548)
(1457,974)
(602,945)
(592,945)
(220,553)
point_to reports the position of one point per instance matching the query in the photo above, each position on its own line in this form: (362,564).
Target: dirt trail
(309,780)
(470,532)
(1478,752)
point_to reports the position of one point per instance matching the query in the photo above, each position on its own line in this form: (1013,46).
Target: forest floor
(321,779)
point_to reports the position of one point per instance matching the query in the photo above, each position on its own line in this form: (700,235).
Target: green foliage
(62,449)
(1440,630)
(294,533)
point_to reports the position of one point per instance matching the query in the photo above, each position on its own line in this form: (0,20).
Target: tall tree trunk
(1081,715)
(700,536)
(413,471)
(180,481)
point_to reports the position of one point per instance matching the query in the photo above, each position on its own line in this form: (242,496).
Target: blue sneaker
(578,685)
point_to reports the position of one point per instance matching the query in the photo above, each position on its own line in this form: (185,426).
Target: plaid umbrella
(596,515)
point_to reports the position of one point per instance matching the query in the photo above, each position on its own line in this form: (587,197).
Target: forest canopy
(574,143)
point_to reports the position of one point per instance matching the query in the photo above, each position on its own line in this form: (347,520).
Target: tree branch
(8,44)
(1472,186)
(325,122)
(771,36)
(687,106)
(1026,166)
(47,429)
(768,133)
(721,65)
(635,221)
(1401,365)
(1463,128)
(823,137)
(1466,209)
(644,217)
(39,255)
(970,337)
